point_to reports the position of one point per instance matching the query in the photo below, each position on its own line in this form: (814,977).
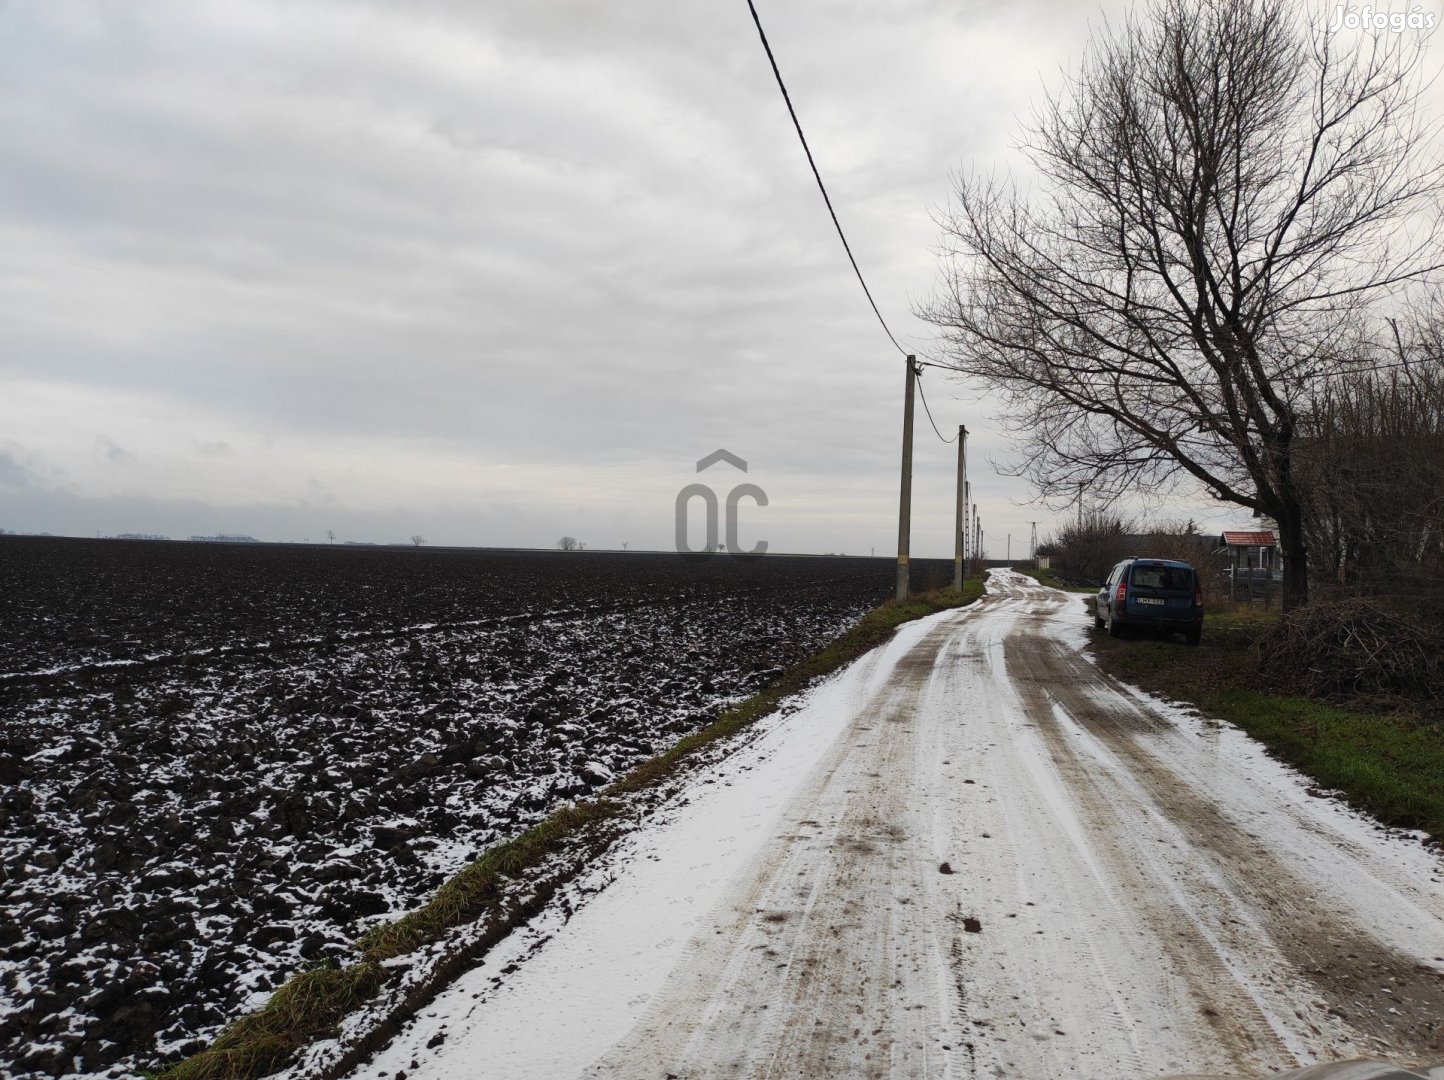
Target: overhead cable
(796,123)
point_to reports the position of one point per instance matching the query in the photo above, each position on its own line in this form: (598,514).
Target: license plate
(1151,600)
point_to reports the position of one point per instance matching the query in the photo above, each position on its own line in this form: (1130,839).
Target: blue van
(1153,594)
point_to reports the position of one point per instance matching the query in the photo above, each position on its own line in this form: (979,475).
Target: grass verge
(465,896)
(310,1005)
(1389,764)
(262,1042)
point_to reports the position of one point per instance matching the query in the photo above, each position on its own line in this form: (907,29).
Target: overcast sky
(489,272)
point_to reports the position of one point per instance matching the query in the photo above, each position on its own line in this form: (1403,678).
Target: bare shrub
(1365,646)
(1182,542)
(1088,550)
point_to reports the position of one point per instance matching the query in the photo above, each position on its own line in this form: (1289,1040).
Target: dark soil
(220,762)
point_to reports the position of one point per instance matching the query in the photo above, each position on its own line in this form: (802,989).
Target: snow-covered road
(970,854)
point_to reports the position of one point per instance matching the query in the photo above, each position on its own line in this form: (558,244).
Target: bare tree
(1221,194)
(331,535)
(1371,461)
(417,540)
(567,543)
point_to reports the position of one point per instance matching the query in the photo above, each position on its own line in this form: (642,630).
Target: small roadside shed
(1251,549)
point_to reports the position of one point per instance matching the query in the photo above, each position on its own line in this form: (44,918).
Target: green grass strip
(1390,765)
(464,897)
(305,1008)
(310,1005)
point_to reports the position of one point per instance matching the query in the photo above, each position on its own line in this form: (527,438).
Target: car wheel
(1098,623)
(1193,637)
(1114,630)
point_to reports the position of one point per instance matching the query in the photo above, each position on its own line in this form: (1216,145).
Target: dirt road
(972,855)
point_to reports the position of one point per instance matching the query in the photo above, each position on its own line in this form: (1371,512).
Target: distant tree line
(1084,552)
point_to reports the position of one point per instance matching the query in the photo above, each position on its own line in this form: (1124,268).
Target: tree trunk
(1296,559)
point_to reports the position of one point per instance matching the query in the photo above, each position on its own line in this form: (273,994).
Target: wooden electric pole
(960,517)
(904,513)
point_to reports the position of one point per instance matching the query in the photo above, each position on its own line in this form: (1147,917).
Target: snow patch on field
(211,776)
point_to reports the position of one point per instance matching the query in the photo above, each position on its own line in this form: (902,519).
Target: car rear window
(1162,577)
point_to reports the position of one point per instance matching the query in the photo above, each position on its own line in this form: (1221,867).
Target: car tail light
(1122,594)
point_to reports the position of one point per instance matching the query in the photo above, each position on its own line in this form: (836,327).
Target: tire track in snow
(1317,942)
(831,972)
(1053,990)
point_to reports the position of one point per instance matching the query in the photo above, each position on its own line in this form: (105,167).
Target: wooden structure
(1253,561)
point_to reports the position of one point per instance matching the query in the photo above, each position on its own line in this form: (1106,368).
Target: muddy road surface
(972,854)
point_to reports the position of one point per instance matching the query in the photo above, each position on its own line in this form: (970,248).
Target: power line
(930,414)
(1356,370)
(818,176)
(1336,373)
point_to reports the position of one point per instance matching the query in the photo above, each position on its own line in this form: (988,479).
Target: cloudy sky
(488,272)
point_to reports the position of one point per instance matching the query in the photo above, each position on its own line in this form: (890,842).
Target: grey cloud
(23,470)
(14,473)
(530,233)
(317,496)
(113,452)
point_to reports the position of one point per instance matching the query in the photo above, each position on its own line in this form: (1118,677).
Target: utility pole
(960,516)
(905,501)
(1033,542)
(1010,547)
(977,542)
(967,520)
